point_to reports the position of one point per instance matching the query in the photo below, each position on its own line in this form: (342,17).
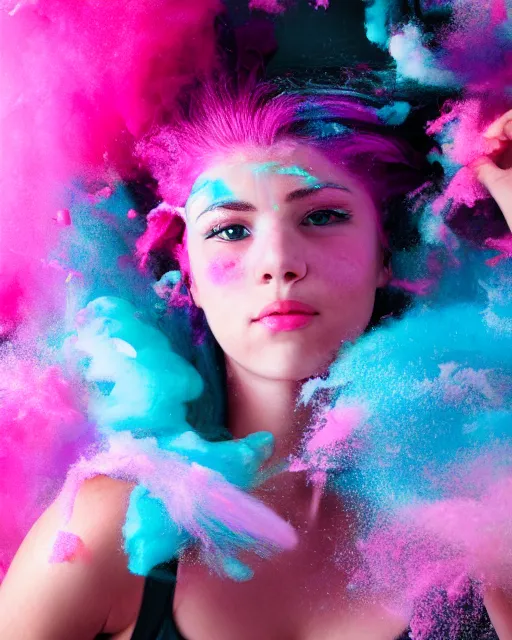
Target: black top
(156,619)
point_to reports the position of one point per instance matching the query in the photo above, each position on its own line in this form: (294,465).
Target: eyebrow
(307,191)
(298,194)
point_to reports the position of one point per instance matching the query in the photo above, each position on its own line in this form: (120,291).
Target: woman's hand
(495,170)
(499,607)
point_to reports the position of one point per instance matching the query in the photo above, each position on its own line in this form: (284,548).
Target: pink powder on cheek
(222,271)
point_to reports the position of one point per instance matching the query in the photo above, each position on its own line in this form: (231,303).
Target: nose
(280,258)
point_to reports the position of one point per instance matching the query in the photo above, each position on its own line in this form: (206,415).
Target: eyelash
(341,215)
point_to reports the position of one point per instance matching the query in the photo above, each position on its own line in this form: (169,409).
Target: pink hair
(218,120)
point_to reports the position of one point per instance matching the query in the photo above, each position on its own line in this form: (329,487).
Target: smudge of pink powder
(418,287)
(279,6)
(324,441)
(222,271)
(503,245)
(67,547)
(270,6)
(63,217)
(339,425)
(498,11)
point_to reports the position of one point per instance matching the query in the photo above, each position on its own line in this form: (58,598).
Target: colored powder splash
(277,7)
(58,389)
(211,190)
(326,448)
(430,465)
(178,503)
(139,388)
(470,51)
(459,130)
(414,60)
(164,226)
(395,113)
(503,245)
(329,439)
(92,67)
(43,430)
(107,72)
(378,16)
(121,351)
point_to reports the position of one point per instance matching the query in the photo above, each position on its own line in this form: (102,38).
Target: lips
(286,315)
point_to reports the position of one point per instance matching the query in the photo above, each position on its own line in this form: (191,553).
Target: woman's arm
(495,171)
(78,599)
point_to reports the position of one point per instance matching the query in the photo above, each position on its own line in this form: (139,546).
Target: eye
(230,233)
(324,217)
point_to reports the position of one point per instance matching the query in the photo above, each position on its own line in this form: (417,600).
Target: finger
(500,127)
(507,130)
(498,182)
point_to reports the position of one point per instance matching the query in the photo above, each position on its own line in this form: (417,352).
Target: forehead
(285,166)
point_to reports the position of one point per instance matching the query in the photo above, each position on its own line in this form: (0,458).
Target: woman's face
(285,258)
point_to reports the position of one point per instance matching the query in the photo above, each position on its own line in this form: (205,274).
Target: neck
(262,404)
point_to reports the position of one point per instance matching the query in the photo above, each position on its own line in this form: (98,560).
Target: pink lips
(286,315)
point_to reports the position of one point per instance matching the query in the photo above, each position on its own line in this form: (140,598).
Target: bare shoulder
(92,592)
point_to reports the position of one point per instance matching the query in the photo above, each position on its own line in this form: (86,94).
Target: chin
(297,367)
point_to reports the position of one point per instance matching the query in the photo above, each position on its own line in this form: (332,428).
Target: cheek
(224,271)
(347,267)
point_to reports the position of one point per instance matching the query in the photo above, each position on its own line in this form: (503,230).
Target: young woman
(289,204)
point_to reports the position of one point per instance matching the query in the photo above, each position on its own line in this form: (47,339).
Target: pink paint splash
(11,301)
(225,271)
